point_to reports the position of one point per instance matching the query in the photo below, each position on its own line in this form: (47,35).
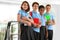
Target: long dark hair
(28,6)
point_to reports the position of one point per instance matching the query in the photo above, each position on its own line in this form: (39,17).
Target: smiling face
(41,11)
(25,6)
(35,7)
(48,8)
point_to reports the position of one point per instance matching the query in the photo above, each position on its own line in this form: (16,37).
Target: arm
(23,20)
(28,19)
(52,22)
(19,19)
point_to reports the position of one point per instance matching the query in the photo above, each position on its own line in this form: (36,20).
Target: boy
(50,21)
(35,15)
(43,22)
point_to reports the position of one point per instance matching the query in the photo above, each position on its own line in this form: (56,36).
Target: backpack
(36,20)
(30,13)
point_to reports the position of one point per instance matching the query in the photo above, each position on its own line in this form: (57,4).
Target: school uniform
(43,27)
(50,27)
(36,30)
(25,30)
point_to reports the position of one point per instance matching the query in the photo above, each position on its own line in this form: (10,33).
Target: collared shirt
(23,13)
(50,27)
(36,15)
(43,20)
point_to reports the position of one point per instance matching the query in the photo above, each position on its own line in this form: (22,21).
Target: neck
(41,13)
(34,10)
(47,12)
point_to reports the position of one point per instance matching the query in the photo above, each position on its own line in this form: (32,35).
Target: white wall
(8,12)
(57,27)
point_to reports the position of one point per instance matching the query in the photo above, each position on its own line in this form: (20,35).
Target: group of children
(36,24)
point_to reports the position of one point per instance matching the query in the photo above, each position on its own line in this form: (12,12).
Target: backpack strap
(30,13)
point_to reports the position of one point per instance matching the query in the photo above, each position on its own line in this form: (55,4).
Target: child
(50,21)
(36,19)
(43,22)
(25,20)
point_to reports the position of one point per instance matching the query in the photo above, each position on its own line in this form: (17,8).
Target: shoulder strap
(31,13)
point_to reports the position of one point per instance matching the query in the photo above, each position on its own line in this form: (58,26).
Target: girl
(25,20)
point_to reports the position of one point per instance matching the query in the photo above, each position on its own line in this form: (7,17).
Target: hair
(41,6)
(28,6)
(35,3)
(48,5)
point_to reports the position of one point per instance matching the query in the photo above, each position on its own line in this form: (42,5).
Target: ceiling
(41,1)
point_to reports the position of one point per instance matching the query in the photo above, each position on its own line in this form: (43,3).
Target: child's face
(41,11)
(35,7)
(48,9)
(25,6)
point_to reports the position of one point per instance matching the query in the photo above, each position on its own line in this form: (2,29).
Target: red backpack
(30,13)
(36,20)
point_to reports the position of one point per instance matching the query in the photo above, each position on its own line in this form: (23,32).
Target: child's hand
(28,23)
(49,22)
(34,24)
(38,25)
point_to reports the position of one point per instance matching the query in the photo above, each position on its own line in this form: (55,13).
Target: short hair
(41,6)
(48,5)
(28,6)
(35,3)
